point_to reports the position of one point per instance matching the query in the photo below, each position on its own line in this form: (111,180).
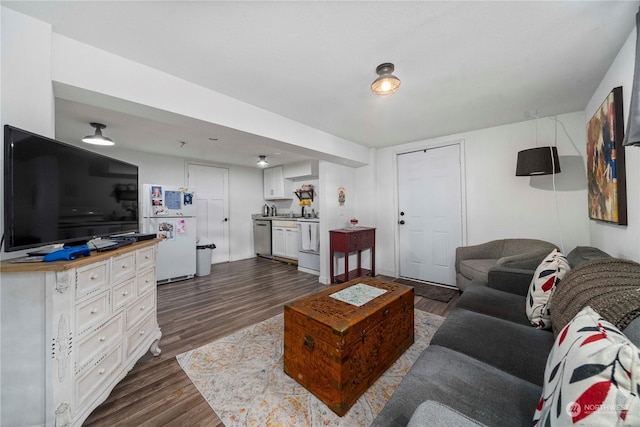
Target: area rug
(427,290)
(242,378)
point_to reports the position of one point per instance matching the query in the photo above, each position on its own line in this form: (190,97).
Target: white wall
(620,241)
(498,204)
(333,176)
(26,101)
(27,95)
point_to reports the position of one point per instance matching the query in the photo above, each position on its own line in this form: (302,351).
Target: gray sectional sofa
(485,364)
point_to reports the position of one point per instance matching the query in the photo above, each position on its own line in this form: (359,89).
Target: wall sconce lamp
(538,161)
(262,162)
(386,83)
(98,138)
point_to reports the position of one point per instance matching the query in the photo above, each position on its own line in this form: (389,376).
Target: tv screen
(58,193)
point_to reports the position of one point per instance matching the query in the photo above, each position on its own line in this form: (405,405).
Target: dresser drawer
(92,279)
(98,341)
(92,312)
(123,293)
(146,257)
(93,382)
(146,281)
(140,308)
(123,267)
(138,334)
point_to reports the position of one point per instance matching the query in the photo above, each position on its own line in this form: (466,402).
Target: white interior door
(212,207)
(430,213)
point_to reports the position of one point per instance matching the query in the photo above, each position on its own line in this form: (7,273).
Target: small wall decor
(341,196)
(605,162)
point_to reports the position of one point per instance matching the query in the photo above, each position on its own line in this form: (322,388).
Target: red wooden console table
(348,240)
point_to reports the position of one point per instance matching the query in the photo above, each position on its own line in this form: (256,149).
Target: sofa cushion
(477,269)
(519,350)
(553,268)
(581,254)
(493,302)
(475,389)
(591,377)
(432,413)
(609,285)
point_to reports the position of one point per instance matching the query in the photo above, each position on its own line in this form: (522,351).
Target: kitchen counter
(280,217)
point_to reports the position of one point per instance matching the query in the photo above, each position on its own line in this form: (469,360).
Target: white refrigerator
(170,212)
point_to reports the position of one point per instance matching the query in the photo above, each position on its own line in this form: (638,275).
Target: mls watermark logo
(573,409)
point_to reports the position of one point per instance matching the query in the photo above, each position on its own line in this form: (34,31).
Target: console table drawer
(123,267)
(91,279)
(140,308)
(98,342)
(146,281)
(146,257)
(95,378)
(91,312)
(139,333)
(123,293)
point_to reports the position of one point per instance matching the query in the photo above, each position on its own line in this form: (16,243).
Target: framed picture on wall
(606,181)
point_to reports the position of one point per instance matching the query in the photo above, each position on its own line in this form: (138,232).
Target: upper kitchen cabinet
(307,169)
(276,187)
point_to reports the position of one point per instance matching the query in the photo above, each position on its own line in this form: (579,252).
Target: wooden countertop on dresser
(10,266)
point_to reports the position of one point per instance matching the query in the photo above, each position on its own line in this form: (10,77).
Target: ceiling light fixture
(386,83)
(262,162)
(98,138)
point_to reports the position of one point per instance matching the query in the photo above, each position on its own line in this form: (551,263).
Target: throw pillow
(549,273)
(591,377)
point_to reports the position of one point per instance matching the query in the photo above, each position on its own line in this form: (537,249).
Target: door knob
(401,222)
(402,213)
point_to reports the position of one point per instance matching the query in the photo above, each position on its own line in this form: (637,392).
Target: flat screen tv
(58,193)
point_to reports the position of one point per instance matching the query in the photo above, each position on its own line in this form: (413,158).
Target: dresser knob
(124,266)
(101,372)
(94,276)
(141,332)
(94,310)
(142,308)
(125,293)
(103,338)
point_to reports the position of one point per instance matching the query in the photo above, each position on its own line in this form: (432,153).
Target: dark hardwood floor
(195,312)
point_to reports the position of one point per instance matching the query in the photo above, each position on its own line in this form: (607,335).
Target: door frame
(396,190)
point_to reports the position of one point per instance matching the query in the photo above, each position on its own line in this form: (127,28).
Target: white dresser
(71,330)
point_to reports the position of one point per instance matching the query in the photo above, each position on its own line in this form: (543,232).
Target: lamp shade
(632,135)
(538,161)
(386,83)
(98,138)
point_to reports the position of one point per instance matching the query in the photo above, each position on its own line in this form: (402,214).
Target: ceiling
(464,65)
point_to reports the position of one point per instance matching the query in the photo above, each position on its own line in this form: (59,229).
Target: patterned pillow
(549,273)
(591,377)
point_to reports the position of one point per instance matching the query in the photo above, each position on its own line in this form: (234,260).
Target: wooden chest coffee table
(336,349)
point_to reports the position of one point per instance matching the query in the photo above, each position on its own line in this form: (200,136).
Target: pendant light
(538,160)
(386,83)
(262,162)
(98,138)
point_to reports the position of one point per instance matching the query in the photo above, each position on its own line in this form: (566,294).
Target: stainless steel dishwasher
(262,237)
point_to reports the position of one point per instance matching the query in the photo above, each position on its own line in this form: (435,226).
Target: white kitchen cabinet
(284,239)
(72,330)
(291,243)
(276,187)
